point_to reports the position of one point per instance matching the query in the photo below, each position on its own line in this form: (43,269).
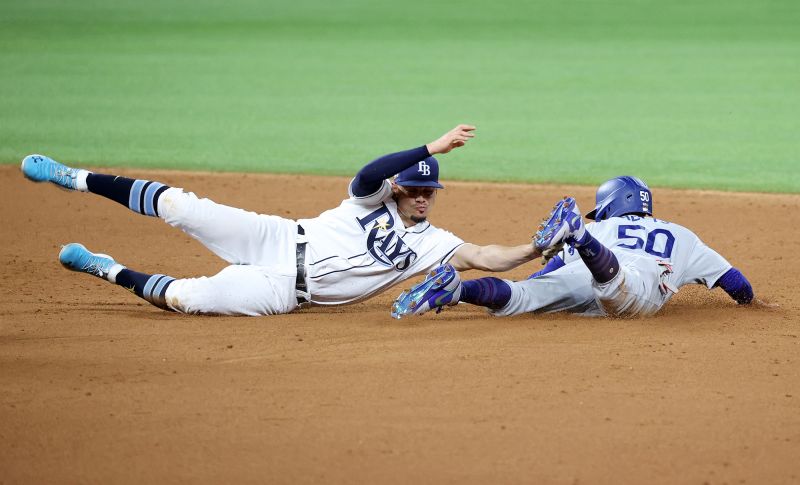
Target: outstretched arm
(492,257)
(369,179)
(736,286)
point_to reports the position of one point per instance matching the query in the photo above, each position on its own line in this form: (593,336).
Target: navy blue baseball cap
(421,174)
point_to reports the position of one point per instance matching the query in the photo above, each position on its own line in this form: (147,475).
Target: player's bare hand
(457,137)
(551,252)
(759,303)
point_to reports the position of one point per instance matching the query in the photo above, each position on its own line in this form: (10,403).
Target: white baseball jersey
(353,252)
(638,243)
(362,247)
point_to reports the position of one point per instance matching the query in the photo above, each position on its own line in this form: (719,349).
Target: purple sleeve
(736,285)
(552,265)
(370,178)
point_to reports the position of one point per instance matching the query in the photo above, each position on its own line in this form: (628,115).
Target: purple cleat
(441,287)
(565,224)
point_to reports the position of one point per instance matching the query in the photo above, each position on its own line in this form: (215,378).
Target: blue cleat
(565,224)
(75,257)
(441,287)
(40,168)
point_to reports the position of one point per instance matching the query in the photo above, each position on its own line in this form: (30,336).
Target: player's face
(415,203)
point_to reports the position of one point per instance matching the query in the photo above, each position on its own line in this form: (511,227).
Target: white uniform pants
(633,292)
(260,248)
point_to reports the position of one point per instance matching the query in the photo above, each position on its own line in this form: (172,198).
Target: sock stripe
(140,196)
(158,193)
(149,198)
(152,288)
(155,289)
(134,202)
(158,297)
(161,287)
(142,192)
(151,283)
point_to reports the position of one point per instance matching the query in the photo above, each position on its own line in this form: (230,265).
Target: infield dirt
(99,387)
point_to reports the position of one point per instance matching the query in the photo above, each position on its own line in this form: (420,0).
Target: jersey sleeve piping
(450,253)
(341,270)
(377,197)
(336,256)
(428,226)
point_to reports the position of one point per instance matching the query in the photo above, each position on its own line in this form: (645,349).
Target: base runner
(626,263)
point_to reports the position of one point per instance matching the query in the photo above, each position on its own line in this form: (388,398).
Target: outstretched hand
(457,137)
(759,303)
(550,252)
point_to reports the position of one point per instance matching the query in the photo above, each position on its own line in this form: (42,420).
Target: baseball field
(272,107)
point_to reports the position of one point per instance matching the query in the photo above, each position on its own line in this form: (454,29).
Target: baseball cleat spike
(565,223)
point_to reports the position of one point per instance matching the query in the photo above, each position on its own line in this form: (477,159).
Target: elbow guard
(736,286)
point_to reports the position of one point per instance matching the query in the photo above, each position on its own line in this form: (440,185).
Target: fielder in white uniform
(627,263)
(377,237)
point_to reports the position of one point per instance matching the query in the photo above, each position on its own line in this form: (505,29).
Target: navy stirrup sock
(599,259)
(152,288)
(140,196)
(490,292)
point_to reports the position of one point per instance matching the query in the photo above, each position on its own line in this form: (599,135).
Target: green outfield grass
(682,93)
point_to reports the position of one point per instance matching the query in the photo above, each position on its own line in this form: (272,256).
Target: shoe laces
(97,265)
(63,175)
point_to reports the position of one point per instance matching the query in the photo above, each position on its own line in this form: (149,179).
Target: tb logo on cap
(424,168)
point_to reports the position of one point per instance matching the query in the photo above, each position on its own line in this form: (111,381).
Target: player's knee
(613,296)
(174,203)
(236,290)
(179,296)
(622,297)
(197,296)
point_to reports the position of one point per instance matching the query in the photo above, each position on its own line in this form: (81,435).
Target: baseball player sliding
(376,238)
(626,263)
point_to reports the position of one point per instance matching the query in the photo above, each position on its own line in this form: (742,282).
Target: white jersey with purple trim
(638,243)
(362,247)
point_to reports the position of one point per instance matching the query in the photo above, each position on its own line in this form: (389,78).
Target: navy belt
(300,282)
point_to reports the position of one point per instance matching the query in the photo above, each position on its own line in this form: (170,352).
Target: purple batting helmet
(620,196)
